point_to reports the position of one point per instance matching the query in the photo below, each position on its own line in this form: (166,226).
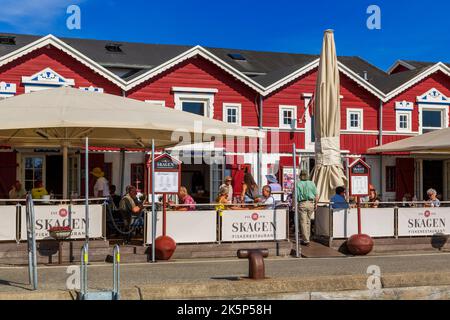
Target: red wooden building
(267,91)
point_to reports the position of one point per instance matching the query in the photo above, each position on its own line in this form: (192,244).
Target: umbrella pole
(153,203)
(294,199)
(86,189)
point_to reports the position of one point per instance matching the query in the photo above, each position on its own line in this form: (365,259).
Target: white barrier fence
(383,222)
(13,221)
(58,215)
(233,226)
(8,223)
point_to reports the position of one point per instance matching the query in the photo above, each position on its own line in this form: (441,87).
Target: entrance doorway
(433,177)
(53,175)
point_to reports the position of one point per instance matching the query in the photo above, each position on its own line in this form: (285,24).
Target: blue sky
(415,30)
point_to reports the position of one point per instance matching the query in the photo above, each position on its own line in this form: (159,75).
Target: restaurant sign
(423,221)
(58,216)
(253,225)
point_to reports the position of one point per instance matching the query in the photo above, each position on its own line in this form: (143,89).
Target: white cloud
(32,15)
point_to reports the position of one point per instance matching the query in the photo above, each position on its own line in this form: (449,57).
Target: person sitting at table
(374,199)
(433,200)
(185,199)
(338,200)
(229,186)
(17,192)
(39,190)
(222,198)
(250,192)
(129,208)
(268,200)
(273,183)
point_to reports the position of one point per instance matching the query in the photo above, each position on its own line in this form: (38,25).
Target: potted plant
(60,233)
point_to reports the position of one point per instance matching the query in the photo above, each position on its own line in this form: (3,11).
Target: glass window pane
(194,107)
(431,118)
(28,174)
(28,185)
(29,163)
(38,162)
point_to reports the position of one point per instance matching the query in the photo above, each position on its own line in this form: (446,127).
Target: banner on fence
(186,226)
(8,223)
(53,216)
(423,221)
(254,225)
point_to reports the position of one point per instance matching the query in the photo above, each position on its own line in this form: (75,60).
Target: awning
(434,142)
(65,116)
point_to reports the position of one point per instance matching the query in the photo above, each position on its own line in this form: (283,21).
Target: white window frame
(397,121)
(161,103)
(351,111)
(283,108)
(442,108)
(189,95)
(238,107)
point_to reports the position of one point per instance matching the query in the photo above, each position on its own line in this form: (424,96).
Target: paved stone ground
(15,279)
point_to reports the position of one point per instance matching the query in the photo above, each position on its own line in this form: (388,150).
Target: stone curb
(394,286)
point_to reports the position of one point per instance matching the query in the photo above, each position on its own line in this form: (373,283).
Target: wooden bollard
(255,258)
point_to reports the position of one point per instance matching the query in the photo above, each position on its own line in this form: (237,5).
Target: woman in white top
(101,187)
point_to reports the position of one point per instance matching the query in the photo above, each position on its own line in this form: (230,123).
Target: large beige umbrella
(328,171)
(435,141)
(64,117)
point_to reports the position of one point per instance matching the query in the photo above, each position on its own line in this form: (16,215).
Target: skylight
(113,47)
(10,40)
(237,56)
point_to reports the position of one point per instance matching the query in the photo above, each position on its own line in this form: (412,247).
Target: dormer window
(113,47)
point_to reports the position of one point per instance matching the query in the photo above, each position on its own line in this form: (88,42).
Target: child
(222,199)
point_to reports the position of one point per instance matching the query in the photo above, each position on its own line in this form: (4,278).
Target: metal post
(65,170)
(294,199)
(116,272)
(153,203)
(83,269)
(86,189)
(33,243)
(396,222)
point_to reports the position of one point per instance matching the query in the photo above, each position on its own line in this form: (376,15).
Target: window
(196,107)
(355,119)
(232,113)
(195,100)
(33,171)
(288,117)
(390,179)
(431,120)
(137,176)
(403,121)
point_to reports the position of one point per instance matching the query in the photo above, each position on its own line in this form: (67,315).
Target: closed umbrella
(328,171)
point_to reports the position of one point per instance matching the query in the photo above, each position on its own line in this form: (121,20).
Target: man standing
(227,184)
(307,198)
(101,187)
(16,191)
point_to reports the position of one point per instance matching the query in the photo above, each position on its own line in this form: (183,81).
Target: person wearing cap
(273,183)
(228,185)
(307,197)
(101,187)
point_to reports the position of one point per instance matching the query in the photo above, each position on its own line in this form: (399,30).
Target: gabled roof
(263,71)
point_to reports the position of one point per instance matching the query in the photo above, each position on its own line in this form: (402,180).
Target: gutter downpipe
(380,142)
(259,162)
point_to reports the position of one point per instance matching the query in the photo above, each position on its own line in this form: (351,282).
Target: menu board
(166,182)
(359,185)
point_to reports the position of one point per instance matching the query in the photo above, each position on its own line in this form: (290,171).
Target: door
(447,180)
(433,177)
(405,177)
(7,173)
(54,183)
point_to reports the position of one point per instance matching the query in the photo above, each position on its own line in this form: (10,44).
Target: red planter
(164,247)
(360,244)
